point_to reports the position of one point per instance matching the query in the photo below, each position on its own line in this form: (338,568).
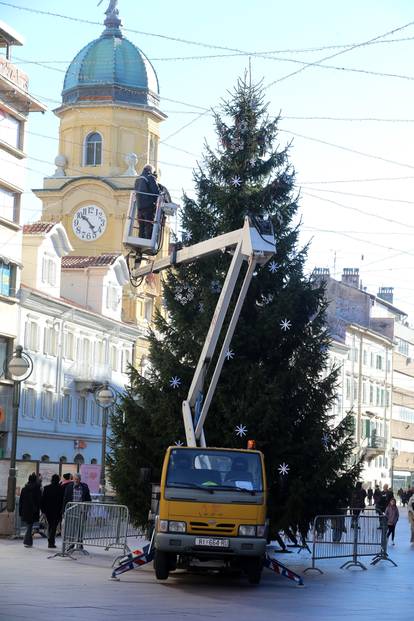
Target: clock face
(89,222)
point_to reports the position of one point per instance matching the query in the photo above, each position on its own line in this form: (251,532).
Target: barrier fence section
(354,535)
(102,525)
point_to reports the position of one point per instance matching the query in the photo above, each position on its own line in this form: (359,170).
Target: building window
(100,352)
(364,392)
(6,346)
(378,362)
(9,205)
(51,341)
(49,271)
(94,460)
(63,459)
(153,147)
(371,360)
(347,389)
(148,308)
(126,360)
(48,407)
(45,458)
(29,403)
(7,278)
(82,411)
(26,457)
(95,414)
(10,130)
(93,149)
(78,459)
(403,347)
(69,346)
(67,409)
(84,350)
(365,357)
(114,358)
(371,394)
(32,336)
(112,297)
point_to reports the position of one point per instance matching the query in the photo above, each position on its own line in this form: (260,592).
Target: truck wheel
(161,565)
(254,569)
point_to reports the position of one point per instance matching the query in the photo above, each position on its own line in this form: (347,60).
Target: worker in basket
(147,192)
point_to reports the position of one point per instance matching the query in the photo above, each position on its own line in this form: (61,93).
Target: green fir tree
(275,381)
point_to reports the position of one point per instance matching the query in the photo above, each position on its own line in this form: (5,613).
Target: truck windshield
(215,470)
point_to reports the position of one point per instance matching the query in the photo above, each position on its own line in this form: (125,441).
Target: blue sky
(357,209)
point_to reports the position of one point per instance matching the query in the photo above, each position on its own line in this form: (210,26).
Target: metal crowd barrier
(354,535)
(101,525)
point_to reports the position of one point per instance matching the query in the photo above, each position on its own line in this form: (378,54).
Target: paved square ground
(36,588)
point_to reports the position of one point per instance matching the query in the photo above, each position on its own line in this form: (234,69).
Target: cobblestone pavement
(35,588)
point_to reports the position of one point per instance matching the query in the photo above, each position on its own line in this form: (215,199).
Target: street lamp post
(18,368)
(105,397)
(393,455)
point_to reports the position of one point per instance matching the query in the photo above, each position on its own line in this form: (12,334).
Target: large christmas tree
(276,384)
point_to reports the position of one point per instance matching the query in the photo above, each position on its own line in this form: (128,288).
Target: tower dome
(111,68)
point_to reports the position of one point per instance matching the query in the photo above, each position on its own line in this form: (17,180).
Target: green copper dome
(111,68)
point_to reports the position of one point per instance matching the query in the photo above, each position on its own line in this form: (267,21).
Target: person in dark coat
(51,505)
(29,507)
(370,495)
(147,190)
(76,491)
(357,501)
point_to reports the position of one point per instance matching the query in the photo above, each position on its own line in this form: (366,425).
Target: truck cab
(212,511)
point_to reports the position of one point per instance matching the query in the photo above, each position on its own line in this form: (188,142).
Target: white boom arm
(249,245)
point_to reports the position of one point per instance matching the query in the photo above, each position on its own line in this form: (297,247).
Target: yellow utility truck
(212,505)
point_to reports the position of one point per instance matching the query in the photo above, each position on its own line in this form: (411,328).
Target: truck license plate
(211,542)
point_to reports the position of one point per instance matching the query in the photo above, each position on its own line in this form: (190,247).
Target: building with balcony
(16,104)
(375,378)
(70,324)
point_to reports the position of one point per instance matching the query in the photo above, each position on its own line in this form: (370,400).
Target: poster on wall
(24,469)
(71,468)
(46,470)
(91,474)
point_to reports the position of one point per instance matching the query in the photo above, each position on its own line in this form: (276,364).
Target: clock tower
(109,129)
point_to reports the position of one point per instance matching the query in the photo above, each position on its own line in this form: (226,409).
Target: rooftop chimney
(321,272)
(386,293)
(350,276)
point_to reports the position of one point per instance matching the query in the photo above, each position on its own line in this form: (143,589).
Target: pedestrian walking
(29,507)
(410,507)
(51,505)
(370,495)
(392,514)
(376,496)
(357,502)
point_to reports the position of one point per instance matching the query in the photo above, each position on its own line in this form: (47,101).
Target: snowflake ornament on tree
(325,440)
(283,469)
(285,324)
(229,354)
(273,267)
(184,294)
(236,181)
(175,382)
(179,443)
(241,430)
(215,286)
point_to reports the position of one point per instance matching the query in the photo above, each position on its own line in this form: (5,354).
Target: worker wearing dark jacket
(29,507)
(147,190)
(51,505)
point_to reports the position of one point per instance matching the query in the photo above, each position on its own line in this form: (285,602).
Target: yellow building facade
(109,129)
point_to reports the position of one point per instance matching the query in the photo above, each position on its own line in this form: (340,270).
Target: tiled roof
(77,262)
(38,227)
